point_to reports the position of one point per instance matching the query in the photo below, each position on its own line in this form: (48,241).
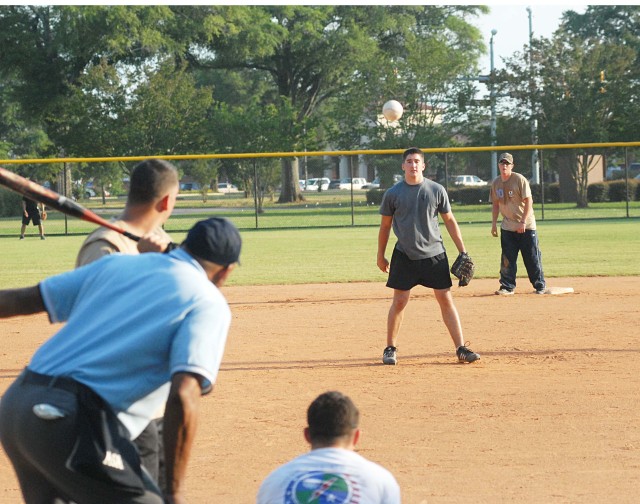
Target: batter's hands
(152,242)
(383,264)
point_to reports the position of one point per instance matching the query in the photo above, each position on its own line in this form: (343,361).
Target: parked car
(313,184)
(357,183)
(90,192)
(189,186)
(469,180)
(334,184)
(374,184)
(614,173)
(226,187)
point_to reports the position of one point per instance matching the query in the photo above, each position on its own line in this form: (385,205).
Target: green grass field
(317,255)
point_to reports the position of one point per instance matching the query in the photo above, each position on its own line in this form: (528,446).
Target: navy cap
(216,240)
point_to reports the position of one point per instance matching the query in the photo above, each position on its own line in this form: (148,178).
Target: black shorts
(404,273)
(32,216)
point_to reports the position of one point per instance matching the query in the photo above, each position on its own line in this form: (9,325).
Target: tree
(313,54)
(204,172)
(265,135)
(50,48)
(167,114)
(575,104)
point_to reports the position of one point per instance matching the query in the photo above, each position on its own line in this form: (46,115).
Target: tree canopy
(155,80)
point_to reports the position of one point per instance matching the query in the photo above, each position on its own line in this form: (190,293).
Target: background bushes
(600,192)
(10,204)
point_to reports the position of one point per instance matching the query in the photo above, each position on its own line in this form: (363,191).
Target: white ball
(392,110)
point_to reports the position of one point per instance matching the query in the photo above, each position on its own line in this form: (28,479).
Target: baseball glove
(463,269)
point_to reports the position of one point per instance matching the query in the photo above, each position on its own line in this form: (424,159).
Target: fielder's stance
(140,331)
(32,211)
(419,258)
(511,196)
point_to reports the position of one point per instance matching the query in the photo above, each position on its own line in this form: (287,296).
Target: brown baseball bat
(54,200)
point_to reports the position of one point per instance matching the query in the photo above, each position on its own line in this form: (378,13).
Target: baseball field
(549,414)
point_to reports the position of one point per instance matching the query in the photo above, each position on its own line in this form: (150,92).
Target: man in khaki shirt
(511,197)
(152,196)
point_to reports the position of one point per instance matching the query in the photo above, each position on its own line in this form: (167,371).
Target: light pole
(535,162)
(492,99)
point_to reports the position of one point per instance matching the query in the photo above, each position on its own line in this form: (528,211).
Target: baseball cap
(216,240)
(505,156)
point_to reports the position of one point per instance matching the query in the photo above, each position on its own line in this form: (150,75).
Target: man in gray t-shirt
(412,208)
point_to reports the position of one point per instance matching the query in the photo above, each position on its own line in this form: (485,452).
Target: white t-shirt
(330,475)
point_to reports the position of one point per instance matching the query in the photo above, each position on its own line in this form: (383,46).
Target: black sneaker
(389,356)
(466,355)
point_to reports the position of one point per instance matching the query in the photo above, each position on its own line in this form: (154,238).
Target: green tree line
(100,81)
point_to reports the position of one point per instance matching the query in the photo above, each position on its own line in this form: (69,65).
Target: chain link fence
(607,174)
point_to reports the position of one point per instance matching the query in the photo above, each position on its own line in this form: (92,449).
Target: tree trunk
(583,166)
(566,165)
(290,192)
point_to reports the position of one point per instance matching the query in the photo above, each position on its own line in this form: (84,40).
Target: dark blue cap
(216,240)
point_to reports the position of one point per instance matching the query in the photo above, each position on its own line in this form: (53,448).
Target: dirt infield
(549,414)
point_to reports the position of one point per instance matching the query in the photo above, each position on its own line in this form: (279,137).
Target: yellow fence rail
(245,155)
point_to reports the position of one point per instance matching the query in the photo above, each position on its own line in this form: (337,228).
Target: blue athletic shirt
(121,341)
(415,210)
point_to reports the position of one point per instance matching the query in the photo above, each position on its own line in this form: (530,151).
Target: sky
(512,25)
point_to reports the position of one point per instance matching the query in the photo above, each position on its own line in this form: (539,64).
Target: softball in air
(392,110)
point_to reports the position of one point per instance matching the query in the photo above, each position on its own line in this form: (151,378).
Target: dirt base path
(549,414)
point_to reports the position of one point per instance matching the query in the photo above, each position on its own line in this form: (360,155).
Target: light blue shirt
(131,323)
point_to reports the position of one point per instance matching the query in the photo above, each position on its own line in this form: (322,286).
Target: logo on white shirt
(318,487)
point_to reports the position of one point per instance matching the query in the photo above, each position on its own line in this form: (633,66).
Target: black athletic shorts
(32,216)
(404,274)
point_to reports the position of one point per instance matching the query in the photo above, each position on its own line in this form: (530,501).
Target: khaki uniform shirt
(105,241)
(510,196)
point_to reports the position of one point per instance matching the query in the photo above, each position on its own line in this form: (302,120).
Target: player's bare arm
(453,229)
(495,211)
(383,240)
(180,423)
(528,208)
(25,301)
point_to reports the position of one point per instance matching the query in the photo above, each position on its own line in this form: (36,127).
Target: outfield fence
(611,193)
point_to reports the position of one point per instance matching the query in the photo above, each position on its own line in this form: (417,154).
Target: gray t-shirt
(415,210)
